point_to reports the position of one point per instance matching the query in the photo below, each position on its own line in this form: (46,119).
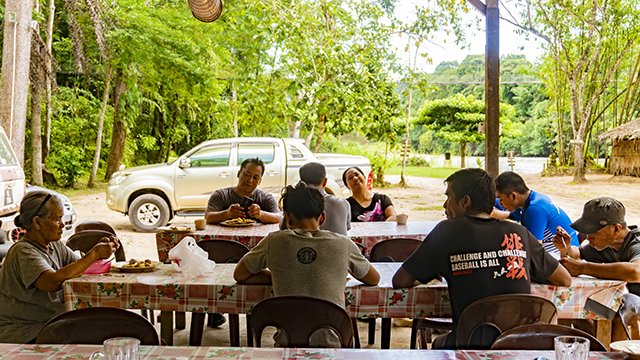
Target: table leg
(181,320)
(603,332)
(385,333)
(249,331)
(234,329)
(166,328)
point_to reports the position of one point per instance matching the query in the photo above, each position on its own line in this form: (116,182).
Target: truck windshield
(265,152)
(6,155)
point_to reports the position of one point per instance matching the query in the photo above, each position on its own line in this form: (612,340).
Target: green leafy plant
(68,164)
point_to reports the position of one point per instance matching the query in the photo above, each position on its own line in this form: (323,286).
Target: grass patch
(422,171)
(428,208)
(81,189)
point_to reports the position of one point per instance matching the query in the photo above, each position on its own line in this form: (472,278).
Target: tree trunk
(403,181)
(119,133)
(234,101)
(36,116)
(578,161)
(16,59)
(463,148)
(77,36)
(320,127)
(49,80)
(103,110)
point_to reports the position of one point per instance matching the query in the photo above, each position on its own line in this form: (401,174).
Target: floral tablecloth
(42,352)
(365,233)
(168,290)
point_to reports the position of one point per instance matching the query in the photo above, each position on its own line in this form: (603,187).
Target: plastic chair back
(394,250)
(223,251)
(485,319)
(85,240)
(298,317)
(95,325)
(540,337)
(94,225)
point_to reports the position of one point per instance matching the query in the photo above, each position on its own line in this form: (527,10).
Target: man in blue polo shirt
(534,210)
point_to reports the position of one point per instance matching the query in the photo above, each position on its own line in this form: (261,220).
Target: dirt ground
(422,200)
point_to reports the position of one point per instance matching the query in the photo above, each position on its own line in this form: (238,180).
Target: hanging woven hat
(206,10)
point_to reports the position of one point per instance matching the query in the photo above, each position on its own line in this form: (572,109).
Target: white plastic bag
(188,257)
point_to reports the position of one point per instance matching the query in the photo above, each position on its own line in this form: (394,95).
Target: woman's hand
(105,247)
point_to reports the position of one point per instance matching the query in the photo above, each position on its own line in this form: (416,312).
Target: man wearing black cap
(613,251)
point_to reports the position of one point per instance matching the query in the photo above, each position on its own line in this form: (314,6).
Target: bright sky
(443,47)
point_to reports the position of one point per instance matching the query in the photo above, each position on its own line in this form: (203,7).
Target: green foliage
(422,171)
(525,125)
(456,119)
(417,161)
(68,163)
(74,128)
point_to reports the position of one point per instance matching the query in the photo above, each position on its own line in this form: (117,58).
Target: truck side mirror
(185,163)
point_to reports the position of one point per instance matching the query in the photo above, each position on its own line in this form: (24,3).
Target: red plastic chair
(85,240)
(298,317)
(220,251)
(95,325)
(485,319)
(94,225)
(540,337)
(393,250)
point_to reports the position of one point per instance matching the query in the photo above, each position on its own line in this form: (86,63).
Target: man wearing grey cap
(613,250)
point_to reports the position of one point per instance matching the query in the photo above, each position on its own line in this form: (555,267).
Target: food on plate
(238,221)
(139,264)
(179,228)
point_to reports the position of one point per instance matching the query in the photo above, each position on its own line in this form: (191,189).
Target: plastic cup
(401,219)
(200,224)
(571,348)
(121,348)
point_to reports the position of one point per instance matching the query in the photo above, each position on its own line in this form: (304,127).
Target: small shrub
(68,164)
(417,161)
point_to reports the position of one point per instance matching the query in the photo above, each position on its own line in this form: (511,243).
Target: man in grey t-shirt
(305,260)
(337,210)
(244,200)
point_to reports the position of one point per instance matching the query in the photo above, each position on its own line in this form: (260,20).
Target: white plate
(156,279)
(627,346)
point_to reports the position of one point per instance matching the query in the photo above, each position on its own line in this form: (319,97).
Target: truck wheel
(148,212)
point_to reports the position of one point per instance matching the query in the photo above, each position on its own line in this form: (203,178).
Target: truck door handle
(225,174)
(272,173)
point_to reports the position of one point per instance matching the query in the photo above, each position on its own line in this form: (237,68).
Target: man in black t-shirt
(612,251)
(477,255)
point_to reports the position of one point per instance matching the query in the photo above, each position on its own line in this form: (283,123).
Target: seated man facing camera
(305,260)
(244,200)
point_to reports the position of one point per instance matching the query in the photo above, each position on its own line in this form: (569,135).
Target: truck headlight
(117,178)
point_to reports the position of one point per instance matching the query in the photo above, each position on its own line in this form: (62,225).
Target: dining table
(73,351)
(168,290)
(366,234)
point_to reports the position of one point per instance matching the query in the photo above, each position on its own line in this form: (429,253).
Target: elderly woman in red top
(32,274)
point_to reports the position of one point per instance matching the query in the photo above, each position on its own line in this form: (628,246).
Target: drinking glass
(571,348)
(120,348)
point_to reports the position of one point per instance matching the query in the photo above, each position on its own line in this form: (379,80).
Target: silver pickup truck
(151,195)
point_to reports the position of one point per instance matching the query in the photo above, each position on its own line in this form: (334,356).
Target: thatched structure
(625,148)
